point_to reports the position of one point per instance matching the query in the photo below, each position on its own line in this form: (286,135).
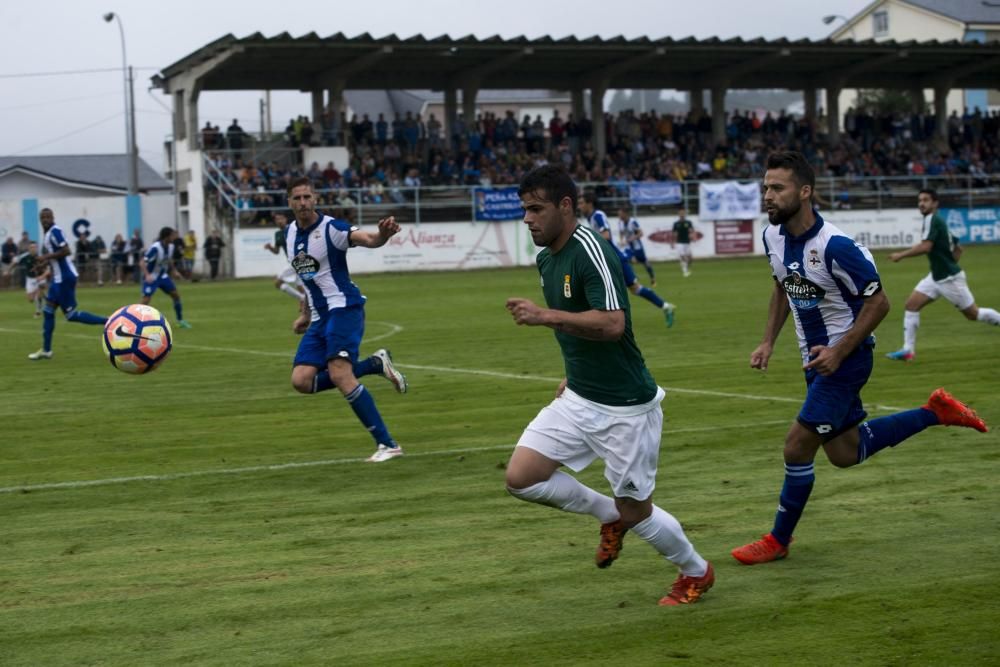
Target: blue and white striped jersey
(319,256)
(629,229)
(158,259)
(599,223)
(62,268)
(826,276)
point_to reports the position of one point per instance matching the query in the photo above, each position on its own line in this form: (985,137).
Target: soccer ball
(137,338)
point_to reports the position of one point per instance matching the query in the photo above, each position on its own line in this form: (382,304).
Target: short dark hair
(551,179)
(298,182)
(930,192)
(794,161)
(590,197)
(165,233)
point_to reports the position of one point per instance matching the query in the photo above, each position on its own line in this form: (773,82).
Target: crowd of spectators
(389,158)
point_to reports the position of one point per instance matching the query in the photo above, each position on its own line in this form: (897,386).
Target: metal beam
(609,72)
(474,76)
(325,78)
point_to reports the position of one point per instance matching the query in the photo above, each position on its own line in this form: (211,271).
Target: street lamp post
(132,155)
(830,18)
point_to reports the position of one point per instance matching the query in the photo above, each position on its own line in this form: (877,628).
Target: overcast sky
(84,112)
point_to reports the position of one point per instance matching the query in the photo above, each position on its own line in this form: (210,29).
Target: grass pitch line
(82,484)
(484,373)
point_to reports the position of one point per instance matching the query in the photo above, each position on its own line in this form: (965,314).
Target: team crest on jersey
(814,260)
(305,265)
(804,293)
(567,292)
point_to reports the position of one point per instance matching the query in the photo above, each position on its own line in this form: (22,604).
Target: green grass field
(208,515)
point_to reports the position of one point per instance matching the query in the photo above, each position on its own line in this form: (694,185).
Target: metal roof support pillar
(696,101)
(941,111)
(919,102)
(719,113)
(450,111)
(599,138)
(809,101)
(833,113)
(469,105)
(335,105)
(576,103)
(190,111)
(317,108)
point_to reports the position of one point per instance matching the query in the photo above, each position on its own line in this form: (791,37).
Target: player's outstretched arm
(921,248)
(387,228)
(602,325)
(777,313)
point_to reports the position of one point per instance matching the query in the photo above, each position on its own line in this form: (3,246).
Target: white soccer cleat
(41,354)
(397,379)
(385,453)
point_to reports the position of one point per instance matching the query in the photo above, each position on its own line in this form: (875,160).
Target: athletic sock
(889,431)
(322,381)
(649,270)
(911,322)
(567,493)
(179,310)
(799,479)
(651,296)
(989,316)
(291,291)
(364,407)
(48,326)
(83,317)
(369,366)
(664,533)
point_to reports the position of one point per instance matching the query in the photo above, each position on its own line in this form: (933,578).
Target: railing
(252,207)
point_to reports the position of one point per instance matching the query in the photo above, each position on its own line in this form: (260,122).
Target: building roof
(311,62)
(94,171)
(966,11)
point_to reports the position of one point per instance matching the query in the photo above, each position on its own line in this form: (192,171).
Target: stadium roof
(311,62)
(966,11)
(95,171)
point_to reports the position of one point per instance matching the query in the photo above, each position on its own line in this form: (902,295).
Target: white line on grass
(497,374)
(306,464)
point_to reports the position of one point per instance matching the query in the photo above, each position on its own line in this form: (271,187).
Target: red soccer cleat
(612,535)
(952,412)
(688,590)
(763,550)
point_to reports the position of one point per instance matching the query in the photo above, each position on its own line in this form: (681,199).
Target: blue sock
(83,317)
(364,407)
(649,270)
(322,381)
(179,309)
(369,366)
(877,434)
(799,478)
(48,326)
(651,296)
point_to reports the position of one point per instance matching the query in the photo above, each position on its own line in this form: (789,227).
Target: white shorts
(575,431)
(288,275)
(31,285)
(954,289)
(684,249)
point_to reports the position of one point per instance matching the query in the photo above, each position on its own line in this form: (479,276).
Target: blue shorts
(63,294)
(338,335)
(627,270)
(163,282)
(833,402)
(638,255)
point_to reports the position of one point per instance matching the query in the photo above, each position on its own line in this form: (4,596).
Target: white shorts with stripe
(575,431)
(953,289)
(288,275)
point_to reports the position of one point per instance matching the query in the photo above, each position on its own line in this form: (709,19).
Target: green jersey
(280,241)
(682,231)
(586,274)
(942,259)
(30,265)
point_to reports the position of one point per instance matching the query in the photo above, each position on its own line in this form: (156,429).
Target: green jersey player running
(946,279)
(608,406)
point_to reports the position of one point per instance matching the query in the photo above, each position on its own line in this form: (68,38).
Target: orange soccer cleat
(612,535)
(952,412)
(763,550)
(688,590)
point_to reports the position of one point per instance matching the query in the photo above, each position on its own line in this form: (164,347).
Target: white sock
(665,534)
(565,492)
(291,291)
(989,316)
(911,322)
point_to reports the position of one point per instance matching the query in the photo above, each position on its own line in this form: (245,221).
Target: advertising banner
(734,238)
(655,192)
(497,204)
(729,201)
(973,225)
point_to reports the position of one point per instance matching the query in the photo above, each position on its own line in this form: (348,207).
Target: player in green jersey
(683,230)
(608,405)
(946,279)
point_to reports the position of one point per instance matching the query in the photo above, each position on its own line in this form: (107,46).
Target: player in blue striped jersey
(157,266)
(630,235)
(830,286)
(598,221)
(333,314)
(62,285)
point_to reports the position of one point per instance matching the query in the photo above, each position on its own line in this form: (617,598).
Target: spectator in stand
(98,248)
(9,253)
(190,250)
(25,243)
(119,258)
(135,246)
(213,252)
(234,136)
(83,253)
